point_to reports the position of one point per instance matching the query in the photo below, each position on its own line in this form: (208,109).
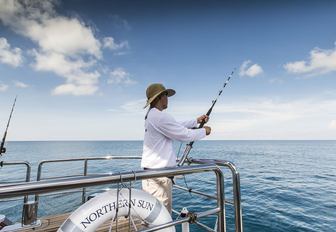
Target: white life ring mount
(89,216)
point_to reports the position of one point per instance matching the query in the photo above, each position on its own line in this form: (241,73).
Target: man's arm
(193,123)
(176,131)
(189,123)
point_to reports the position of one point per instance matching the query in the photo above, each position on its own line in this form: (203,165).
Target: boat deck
(52,223)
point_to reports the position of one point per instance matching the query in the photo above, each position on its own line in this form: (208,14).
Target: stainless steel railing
(15,163)
(52,185)
(85,161)
(26,212)
(46,186)
(20,163)
(235,185)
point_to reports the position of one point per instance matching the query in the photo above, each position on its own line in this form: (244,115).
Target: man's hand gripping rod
(2,146)
(189,145)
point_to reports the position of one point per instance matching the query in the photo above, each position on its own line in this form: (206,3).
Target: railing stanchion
(85,174)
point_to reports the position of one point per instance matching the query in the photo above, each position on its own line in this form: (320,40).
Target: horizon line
(140,140)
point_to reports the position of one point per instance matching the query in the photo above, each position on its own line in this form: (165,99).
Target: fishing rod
(189,145)
(2,146)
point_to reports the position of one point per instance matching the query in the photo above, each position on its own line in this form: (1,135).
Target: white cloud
(253,118)
(67,46)
(332,124)
(76,90)
(3,87)
(109,42)
(258,118)
(249,69)
(39,21)
(67,36)
(120,76)
(8,55)
(320,61)
(133,107)
(20,84)
(79,81)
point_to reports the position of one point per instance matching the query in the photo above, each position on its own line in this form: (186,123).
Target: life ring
(89,216)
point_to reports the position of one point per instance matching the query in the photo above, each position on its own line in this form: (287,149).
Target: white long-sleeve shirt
(160,131)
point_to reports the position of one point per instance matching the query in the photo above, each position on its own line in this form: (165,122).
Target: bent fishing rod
(2,146)
(190,145)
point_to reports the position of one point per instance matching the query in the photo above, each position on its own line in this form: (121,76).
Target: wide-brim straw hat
(154,90)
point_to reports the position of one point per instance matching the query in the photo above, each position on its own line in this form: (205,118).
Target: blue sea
(285,185)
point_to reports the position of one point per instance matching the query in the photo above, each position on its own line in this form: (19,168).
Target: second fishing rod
(2,145)
(190,145)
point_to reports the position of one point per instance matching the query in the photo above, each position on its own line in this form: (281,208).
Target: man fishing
(160,131)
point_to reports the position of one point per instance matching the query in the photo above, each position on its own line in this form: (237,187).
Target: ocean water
(285,185)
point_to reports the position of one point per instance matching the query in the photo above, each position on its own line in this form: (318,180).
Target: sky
(80,69)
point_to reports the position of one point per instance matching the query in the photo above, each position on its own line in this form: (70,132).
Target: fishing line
(179,150)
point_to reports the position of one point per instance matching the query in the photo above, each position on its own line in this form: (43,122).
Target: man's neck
(159,107)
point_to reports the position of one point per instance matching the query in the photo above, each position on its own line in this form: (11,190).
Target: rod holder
(29,213)
(185,225)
